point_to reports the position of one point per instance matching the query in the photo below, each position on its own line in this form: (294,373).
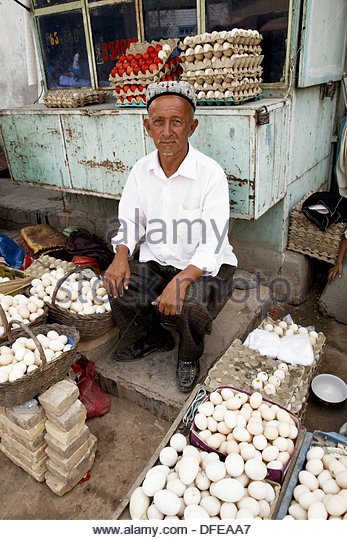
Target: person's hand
(117,275)
(171,300)
(335,271)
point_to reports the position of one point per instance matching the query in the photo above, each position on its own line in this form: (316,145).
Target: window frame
(87,5)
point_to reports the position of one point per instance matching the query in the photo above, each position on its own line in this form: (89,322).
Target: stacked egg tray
(316,445)
(306,238)
(137,505)
(224,67)
(130,84)
(240,365)
(71,98)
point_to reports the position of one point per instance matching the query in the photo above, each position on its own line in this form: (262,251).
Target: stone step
(151,382)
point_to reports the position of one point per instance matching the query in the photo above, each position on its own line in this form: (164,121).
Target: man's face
(170,123)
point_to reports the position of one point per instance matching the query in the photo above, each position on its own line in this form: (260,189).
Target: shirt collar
(188,167)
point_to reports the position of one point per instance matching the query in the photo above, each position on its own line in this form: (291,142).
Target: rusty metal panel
(227,140)
(271,157)
(34,149)
(101,151)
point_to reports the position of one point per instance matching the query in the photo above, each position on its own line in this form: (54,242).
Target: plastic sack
(93,398)
(11,252)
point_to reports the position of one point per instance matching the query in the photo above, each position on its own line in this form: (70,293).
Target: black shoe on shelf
(142,347)
(187,374)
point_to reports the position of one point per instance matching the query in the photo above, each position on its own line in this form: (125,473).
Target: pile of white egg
(235,423)
(23,357)
(4,279)
(290,329)
(76,294)
(322,489)
(21,308)
(271,383)
(192,484)
(46,263)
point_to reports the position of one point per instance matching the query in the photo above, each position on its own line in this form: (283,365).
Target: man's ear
(147,126)
(193,126)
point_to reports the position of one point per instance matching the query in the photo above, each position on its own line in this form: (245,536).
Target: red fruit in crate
(158,48)
(122,58)
(129,70)
(144,68)
(130,57)
(138,56)
(150,49)
(114,72)
(133,88)
(121,72)
(153,68)
(137,70)
(145,56)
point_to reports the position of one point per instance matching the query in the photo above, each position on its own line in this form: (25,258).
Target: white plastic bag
(266,343)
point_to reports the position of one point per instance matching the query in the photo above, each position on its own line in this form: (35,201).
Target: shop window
(113,30)
(164,20)
(64,49)
(269,17)
(49,3)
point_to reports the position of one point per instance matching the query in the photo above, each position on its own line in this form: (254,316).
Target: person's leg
(136,317)
(204,300)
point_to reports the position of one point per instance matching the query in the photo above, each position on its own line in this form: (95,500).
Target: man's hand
(117,275)
(335,271)
(171,300)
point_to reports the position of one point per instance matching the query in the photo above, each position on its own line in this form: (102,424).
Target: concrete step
(151,382)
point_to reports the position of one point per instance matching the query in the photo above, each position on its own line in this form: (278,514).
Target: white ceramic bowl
(329,389)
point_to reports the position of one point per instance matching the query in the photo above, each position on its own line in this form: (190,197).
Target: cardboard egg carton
(236,61)
(218,50)
(221,76)
(222,85)
(223,94)
(236,36)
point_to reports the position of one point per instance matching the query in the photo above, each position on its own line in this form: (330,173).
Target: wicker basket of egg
(34,360)
(81,301)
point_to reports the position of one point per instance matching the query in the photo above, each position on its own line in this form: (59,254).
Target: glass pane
(269,18)
(48,3)
(64,49)
(113,28)
(163,21)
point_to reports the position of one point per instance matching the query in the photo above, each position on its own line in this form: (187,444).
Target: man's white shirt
(182,219)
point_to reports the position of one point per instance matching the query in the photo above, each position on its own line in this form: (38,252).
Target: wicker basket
(9,333)
(89,326)
(305,237)
(30,385)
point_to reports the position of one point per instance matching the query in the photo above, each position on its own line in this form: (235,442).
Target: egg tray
(232,62)
(318,348)
(223,84)
(227,74)
(141,46)
(275,475)
(226,49)
(232,36)
(240,365)
(306,238)
(132,104)
(226,102)
(332,443)
(69,98)
(180,425)
(37,382)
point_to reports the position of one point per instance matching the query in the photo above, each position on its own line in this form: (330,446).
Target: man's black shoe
(142,347)
(187,374)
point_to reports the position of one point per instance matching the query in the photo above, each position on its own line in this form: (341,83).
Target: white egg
(190,450)
(299,490)
(255,469)
(263,376)
(302,330)
(234,403)
(202,481)
(228,490)
(259,442)
(188,469)
(200,421)
(254,427)
(56,345)
(3,376)
(336,505)
(234,465)
(168,456)
(216,470)
(270,453)
(228,510)
(178,442)
(227,393)
(206,408)
(297,512)
(308,479)
(341,479)
(241,434)
(330,487)
(268,327)
(278,330)
(6,359)
(283,457)
(257,489)
(194,511)
(215,398)
(270,389)
(289,332)
(294,327)
(162,469)
(255,400)
(283,325)
(211,504)
(317,510)
(315,466)
(248,451)
(219,413)
(167,502)
(154,513)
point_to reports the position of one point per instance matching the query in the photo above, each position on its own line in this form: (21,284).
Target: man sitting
(176,200)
